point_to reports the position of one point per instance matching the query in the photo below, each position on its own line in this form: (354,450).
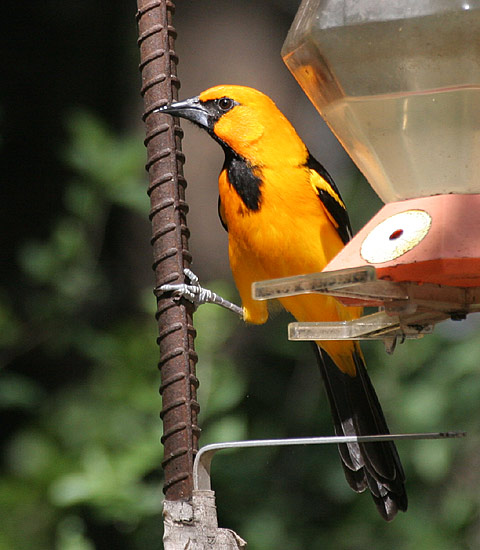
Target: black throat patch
(241,175)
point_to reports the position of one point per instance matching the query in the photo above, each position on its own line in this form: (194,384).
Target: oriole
(285,216)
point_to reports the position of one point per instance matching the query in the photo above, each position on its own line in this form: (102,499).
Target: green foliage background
(80,445)
(82,466)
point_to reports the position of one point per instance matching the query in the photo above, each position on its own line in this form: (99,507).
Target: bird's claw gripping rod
(197,294)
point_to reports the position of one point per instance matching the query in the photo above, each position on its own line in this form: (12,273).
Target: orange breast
(290,234)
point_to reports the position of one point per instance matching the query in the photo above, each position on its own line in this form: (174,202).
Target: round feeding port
(395,236)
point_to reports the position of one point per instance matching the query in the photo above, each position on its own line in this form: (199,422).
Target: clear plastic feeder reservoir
(398,82)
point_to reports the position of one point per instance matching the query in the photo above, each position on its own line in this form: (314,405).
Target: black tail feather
(357,411)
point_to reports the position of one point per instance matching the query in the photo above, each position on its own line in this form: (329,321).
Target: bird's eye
(225,103)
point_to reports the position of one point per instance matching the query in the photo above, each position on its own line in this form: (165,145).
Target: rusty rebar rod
(170,246)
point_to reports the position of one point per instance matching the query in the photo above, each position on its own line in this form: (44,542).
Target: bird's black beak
(191,109)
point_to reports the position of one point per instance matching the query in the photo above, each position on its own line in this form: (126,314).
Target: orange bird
(285,216)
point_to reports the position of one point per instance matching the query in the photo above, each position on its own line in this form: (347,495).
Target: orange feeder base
(418,260)
(428,240)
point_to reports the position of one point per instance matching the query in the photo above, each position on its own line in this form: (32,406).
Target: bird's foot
(196,294)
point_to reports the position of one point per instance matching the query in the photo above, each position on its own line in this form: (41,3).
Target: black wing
(330,196)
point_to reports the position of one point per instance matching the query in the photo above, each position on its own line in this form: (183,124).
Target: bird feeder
(398,83)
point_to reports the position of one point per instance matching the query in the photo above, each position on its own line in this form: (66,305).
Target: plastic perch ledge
(408,310)
(203,460)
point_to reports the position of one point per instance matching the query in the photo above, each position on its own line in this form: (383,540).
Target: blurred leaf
(84,202)
(10,326)
(31,456)
(71,535)
(114,165)
(228,428)
(432,461)
(18,392)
